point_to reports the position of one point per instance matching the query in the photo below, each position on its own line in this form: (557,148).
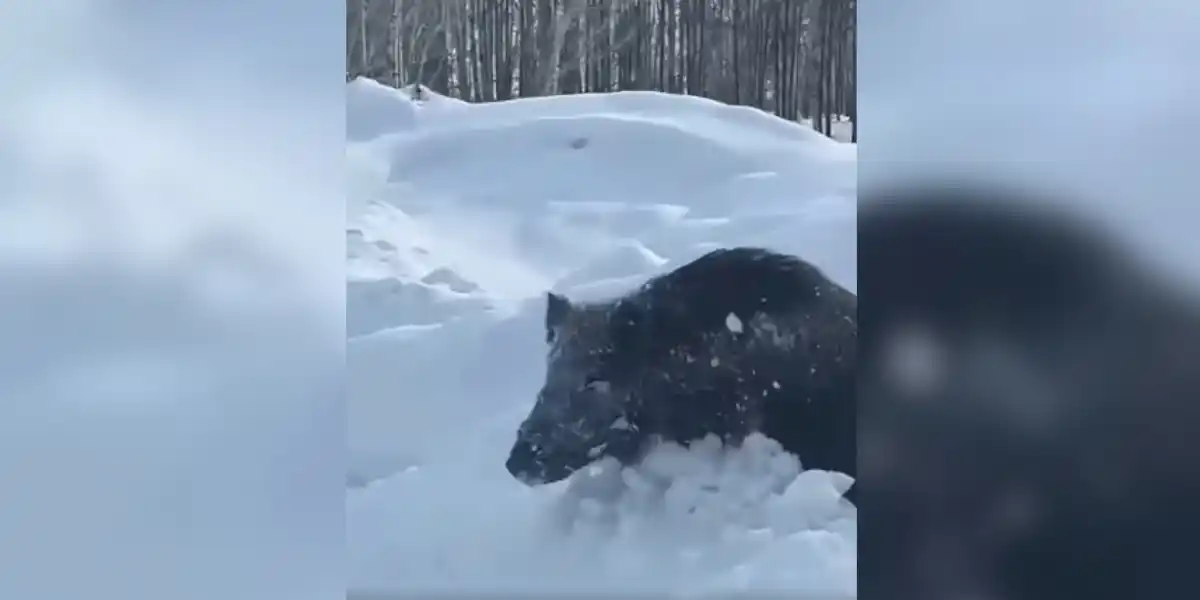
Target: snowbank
(460,218)
(372,109)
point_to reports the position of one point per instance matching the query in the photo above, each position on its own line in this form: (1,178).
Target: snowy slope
(460,218)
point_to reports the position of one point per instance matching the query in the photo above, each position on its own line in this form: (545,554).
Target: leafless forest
(794,58)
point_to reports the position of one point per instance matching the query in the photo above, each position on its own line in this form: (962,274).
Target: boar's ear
(557,308)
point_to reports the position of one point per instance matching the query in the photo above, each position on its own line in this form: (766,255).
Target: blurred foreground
(1028,395)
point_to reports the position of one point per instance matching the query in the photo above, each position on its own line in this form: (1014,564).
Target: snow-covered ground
(459,218)
(843,128)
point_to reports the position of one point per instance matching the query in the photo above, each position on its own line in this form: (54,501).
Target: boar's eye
(595,383)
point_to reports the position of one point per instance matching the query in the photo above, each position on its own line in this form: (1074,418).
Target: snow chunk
(733,323)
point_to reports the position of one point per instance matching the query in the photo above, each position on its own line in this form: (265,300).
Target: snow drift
(460,217)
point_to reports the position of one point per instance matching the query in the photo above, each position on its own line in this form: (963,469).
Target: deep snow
(459,218)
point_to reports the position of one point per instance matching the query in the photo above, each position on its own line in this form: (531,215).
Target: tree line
(793,58)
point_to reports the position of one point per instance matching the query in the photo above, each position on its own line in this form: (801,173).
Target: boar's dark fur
(738,341)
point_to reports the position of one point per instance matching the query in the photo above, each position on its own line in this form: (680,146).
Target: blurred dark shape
(1028,398)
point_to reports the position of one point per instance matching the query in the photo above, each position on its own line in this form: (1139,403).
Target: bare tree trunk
(794,58)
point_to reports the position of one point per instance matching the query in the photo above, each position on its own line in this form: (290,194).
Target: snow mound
(460,218)
(373,109)
(629,259)
(686,523)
